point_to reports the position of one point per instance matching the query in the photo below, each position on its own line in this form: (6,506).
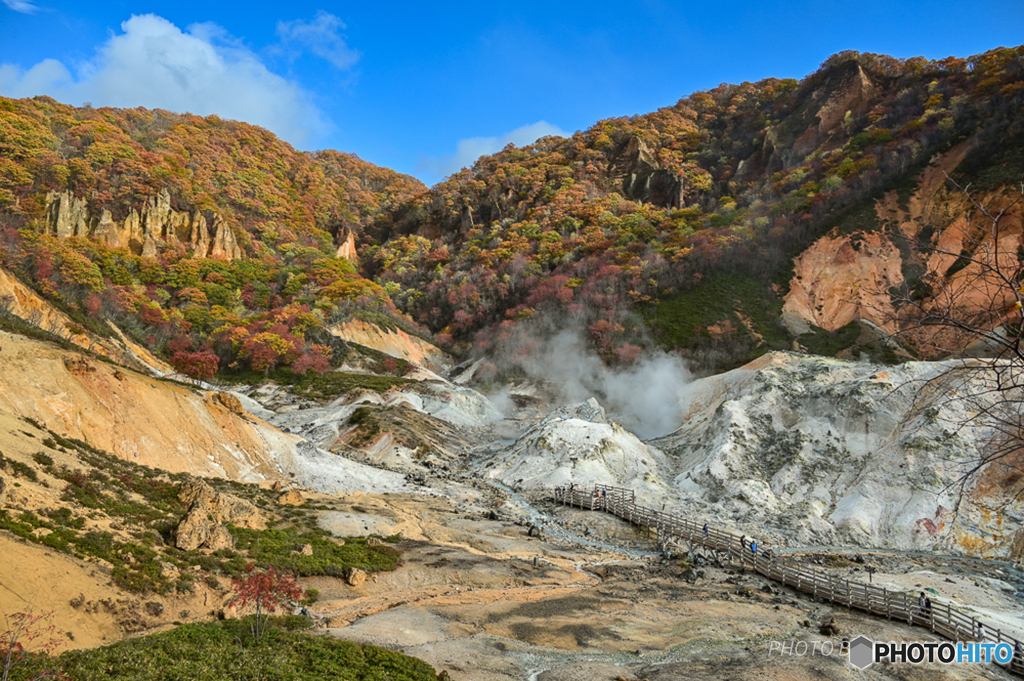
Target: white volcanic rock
(456,404)
(823,451)
(567,447)
(330,473)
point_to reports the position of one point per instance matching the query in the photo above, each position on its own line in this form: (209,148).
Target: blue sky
(424,88)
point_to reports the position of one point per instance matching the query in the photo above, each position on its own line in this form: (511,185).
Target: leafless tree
(972,319)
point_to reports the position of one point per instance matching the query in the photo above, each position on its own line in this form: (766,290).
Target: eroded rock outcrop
(355,576)
(394,342)
(643,178)
(842,279)
(913,247)
(209,511)
(208,235)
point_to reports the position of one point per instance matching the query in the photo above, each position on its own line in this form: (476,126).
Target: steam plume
(644,396)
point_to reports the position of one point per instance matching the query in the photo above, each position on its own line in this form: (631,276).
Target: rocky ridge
(20,301)
(143,229)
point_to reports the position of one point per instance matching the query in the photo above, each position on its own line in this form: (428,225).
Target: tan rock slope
(395,342)
(23,302)
(135,417)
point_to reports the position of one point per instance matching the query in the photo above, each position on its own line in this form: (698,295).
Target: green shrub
(223,651)
(276,548)
(42,459)
(19,468)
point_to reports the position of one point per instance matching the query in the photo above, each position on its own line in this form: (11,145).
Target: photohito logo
(864,652)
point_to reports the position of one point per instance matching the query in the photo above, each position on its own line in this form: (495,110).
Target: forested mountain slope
(686,220)
(701,226)
(210,241)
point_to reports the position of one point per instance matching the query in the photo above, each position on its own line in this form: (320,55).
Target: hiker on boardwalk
(705,533)
(743,542)
(927,607)
(753,548)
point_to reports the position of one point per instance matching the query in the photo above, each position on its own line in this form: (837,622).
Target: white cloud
(20,6)
(469,150)
(321,36)
(155,64)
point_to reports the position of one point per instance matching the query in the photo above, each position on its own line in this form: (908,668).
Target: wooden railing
(941,618)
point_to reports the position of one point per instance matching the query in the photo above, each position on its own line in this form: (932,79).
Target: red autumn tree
(201,364)
(26,632)
(266,589)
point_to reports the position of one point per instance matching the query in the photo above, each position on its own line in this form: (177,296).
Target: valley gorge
(788,309)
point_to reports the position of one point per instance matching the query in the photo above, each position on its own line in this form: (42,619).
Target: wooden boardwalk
(943,619)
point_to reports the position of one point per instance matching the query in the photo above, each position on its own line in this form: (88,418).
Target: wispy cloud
(469,150)
(155,64)
(321,36)
(20,6)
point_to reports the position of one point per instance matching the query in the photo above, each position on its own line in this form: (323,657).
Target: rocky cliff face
(141,231)
(643,178)
(847,90)
(910,247)
(838,280)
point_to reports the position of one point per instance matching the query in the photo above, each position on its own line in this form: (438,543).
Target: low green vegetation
(714,318)
(277,548)
(828,343)
(991,166)
(225,651)
(324,386)
(143,505)
(334,383)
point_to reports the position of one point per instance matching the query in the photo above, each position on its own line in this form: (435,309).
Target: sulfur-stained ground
(475,604)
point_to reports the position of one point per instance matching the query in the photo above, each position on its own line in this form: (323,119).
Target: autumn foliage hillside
(286,209)
(685,220)
(680,226)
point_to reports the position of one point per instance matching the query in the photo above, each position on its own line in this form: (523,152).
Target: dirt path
(597,616)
